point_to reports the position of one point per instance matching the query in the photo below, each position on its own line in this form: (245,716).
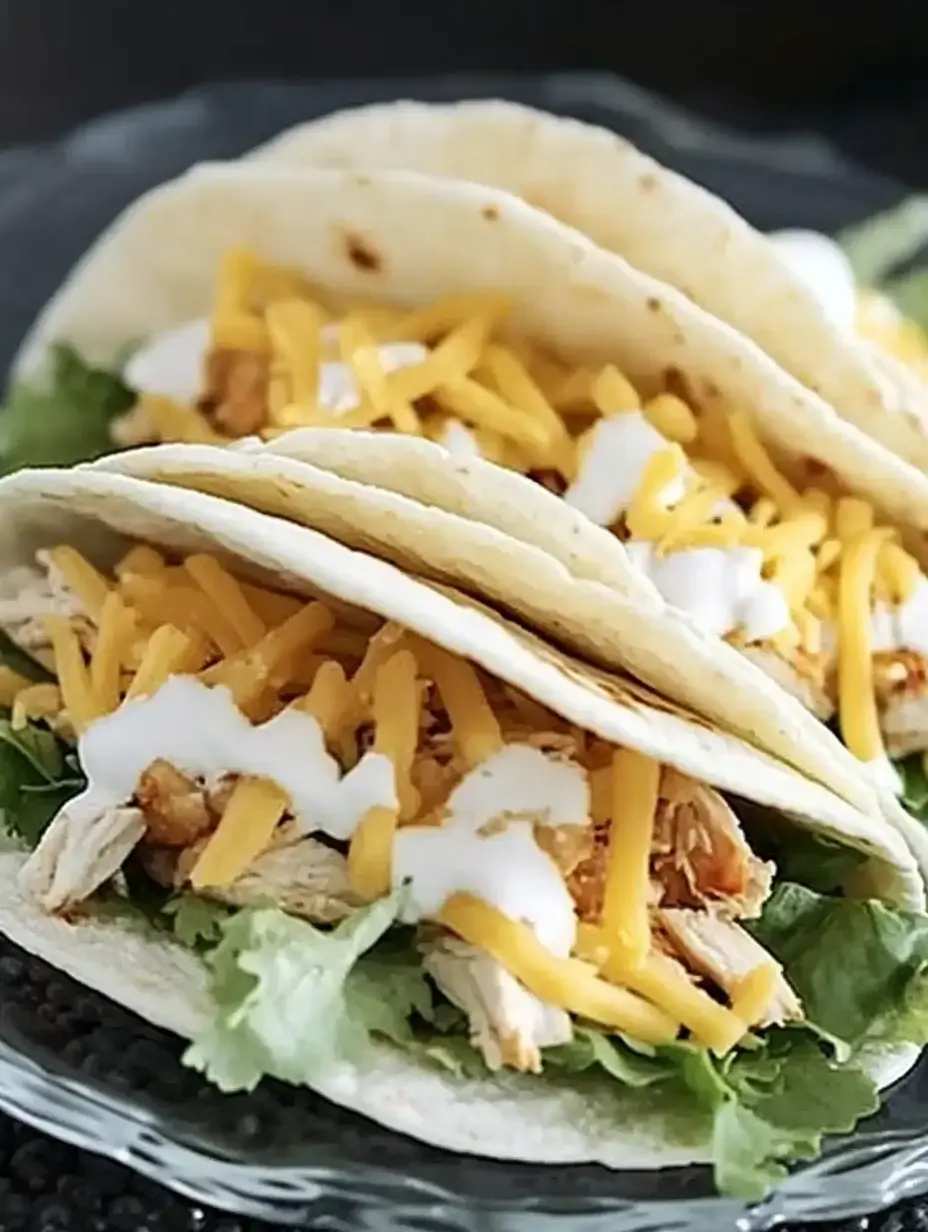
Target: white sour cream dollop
(826,271)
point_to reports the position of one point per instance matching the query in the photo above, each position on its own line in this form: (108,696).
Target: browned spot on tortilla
(653,304)
(815,469)
(648,181)
(490,212)
(711,389)
(675,382)
(361,253)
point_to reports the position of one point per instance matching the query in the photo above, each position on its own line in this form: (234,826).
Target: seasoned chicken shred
(724,953)
(78,854)
(508,1025)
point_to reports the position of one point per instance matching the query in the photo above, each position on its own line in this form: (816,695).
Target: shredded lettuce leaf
(914,786)
(882,950)
(283,1004)
(38,775)
(881,244)
(65,418)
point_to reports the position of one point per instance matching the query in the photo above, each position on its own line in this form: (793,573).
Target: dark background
(855,70)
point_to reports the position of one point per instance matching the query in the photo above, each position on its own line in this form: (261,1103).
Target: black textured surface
(52,203)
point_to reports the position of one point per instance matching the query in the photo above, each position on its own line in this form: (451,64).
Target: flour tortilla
(386,236)
(505,1118)
(508,1117)
(661,222)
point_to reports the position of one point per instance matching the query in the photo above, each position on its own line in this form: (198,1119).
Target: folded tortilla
(384,238)
(511,1116)
(661,222)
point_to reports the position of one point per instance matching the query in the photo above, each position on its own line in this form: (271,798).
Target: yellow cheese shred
(170,652)
(476,729)
(672,418)
(611,392)
(294,326)
(857,706)
(11,685)
(141,559)
(226,594)
(248,822)
(73,679)
(115,634)
(90,586)
(176,421)
(359,351)
(396,718)
(667,985)
(648,516)
(563,982)
(35,701)
(635,787)
(758,465)
(752,997)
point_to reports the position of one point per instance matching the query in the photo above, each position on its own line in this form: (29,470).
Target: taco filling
(366,834)
(769,554)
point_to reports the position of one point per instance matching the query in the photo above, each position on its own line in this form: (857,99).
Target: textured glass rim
(858,1177)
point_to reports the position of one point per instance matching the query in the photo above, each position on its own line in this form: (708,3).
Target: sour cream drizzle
(516,787)
(485,847)
(201,732)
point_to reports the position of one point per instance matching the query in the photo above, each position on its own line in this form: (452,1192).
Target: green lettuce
(285,1005)
(882,950)
(64,419)
(887,241)
(38,775)
(914,785)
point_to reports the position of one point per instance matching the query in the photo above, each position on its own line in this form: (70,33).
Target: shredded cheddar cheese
(383,690)
(635,785)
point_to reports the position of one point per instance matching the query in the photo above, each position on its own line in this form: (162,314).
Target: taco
(365,835)
(227,345)
(661,222)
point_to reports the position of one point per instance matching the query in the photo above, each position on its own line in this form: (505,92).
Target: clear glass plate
(81,1069)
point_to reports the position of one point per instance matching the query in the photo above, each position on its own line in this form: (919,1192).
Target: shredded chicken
(803,676)
(77,855)
(699,853)
(29,595)
(724,953)
(699,856)
(901,683)
(508,1025)
(236,397)
(177,810)
(307,879)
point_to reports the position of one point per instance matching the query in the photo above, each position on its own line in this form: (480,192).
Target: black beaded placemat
(52,203)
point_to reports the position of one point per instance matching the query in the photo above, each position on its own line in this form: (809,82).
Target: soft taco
(364,835)
(799,306)
(510,342)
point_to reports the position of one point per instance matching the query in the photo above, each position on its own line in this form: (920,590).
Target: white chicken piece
(28,595)
(78,854)
(304,878)
(724,953)
(508,1024)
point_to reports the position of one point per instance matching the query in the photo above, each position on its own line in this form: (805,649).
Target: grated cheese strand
(73,679)
(245,829)
(754,993)
(635,791)
(566,983)
(757,464)
(90,586)
(225,593)
(167,654)
(857,704)
(476,730)
(115,635)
